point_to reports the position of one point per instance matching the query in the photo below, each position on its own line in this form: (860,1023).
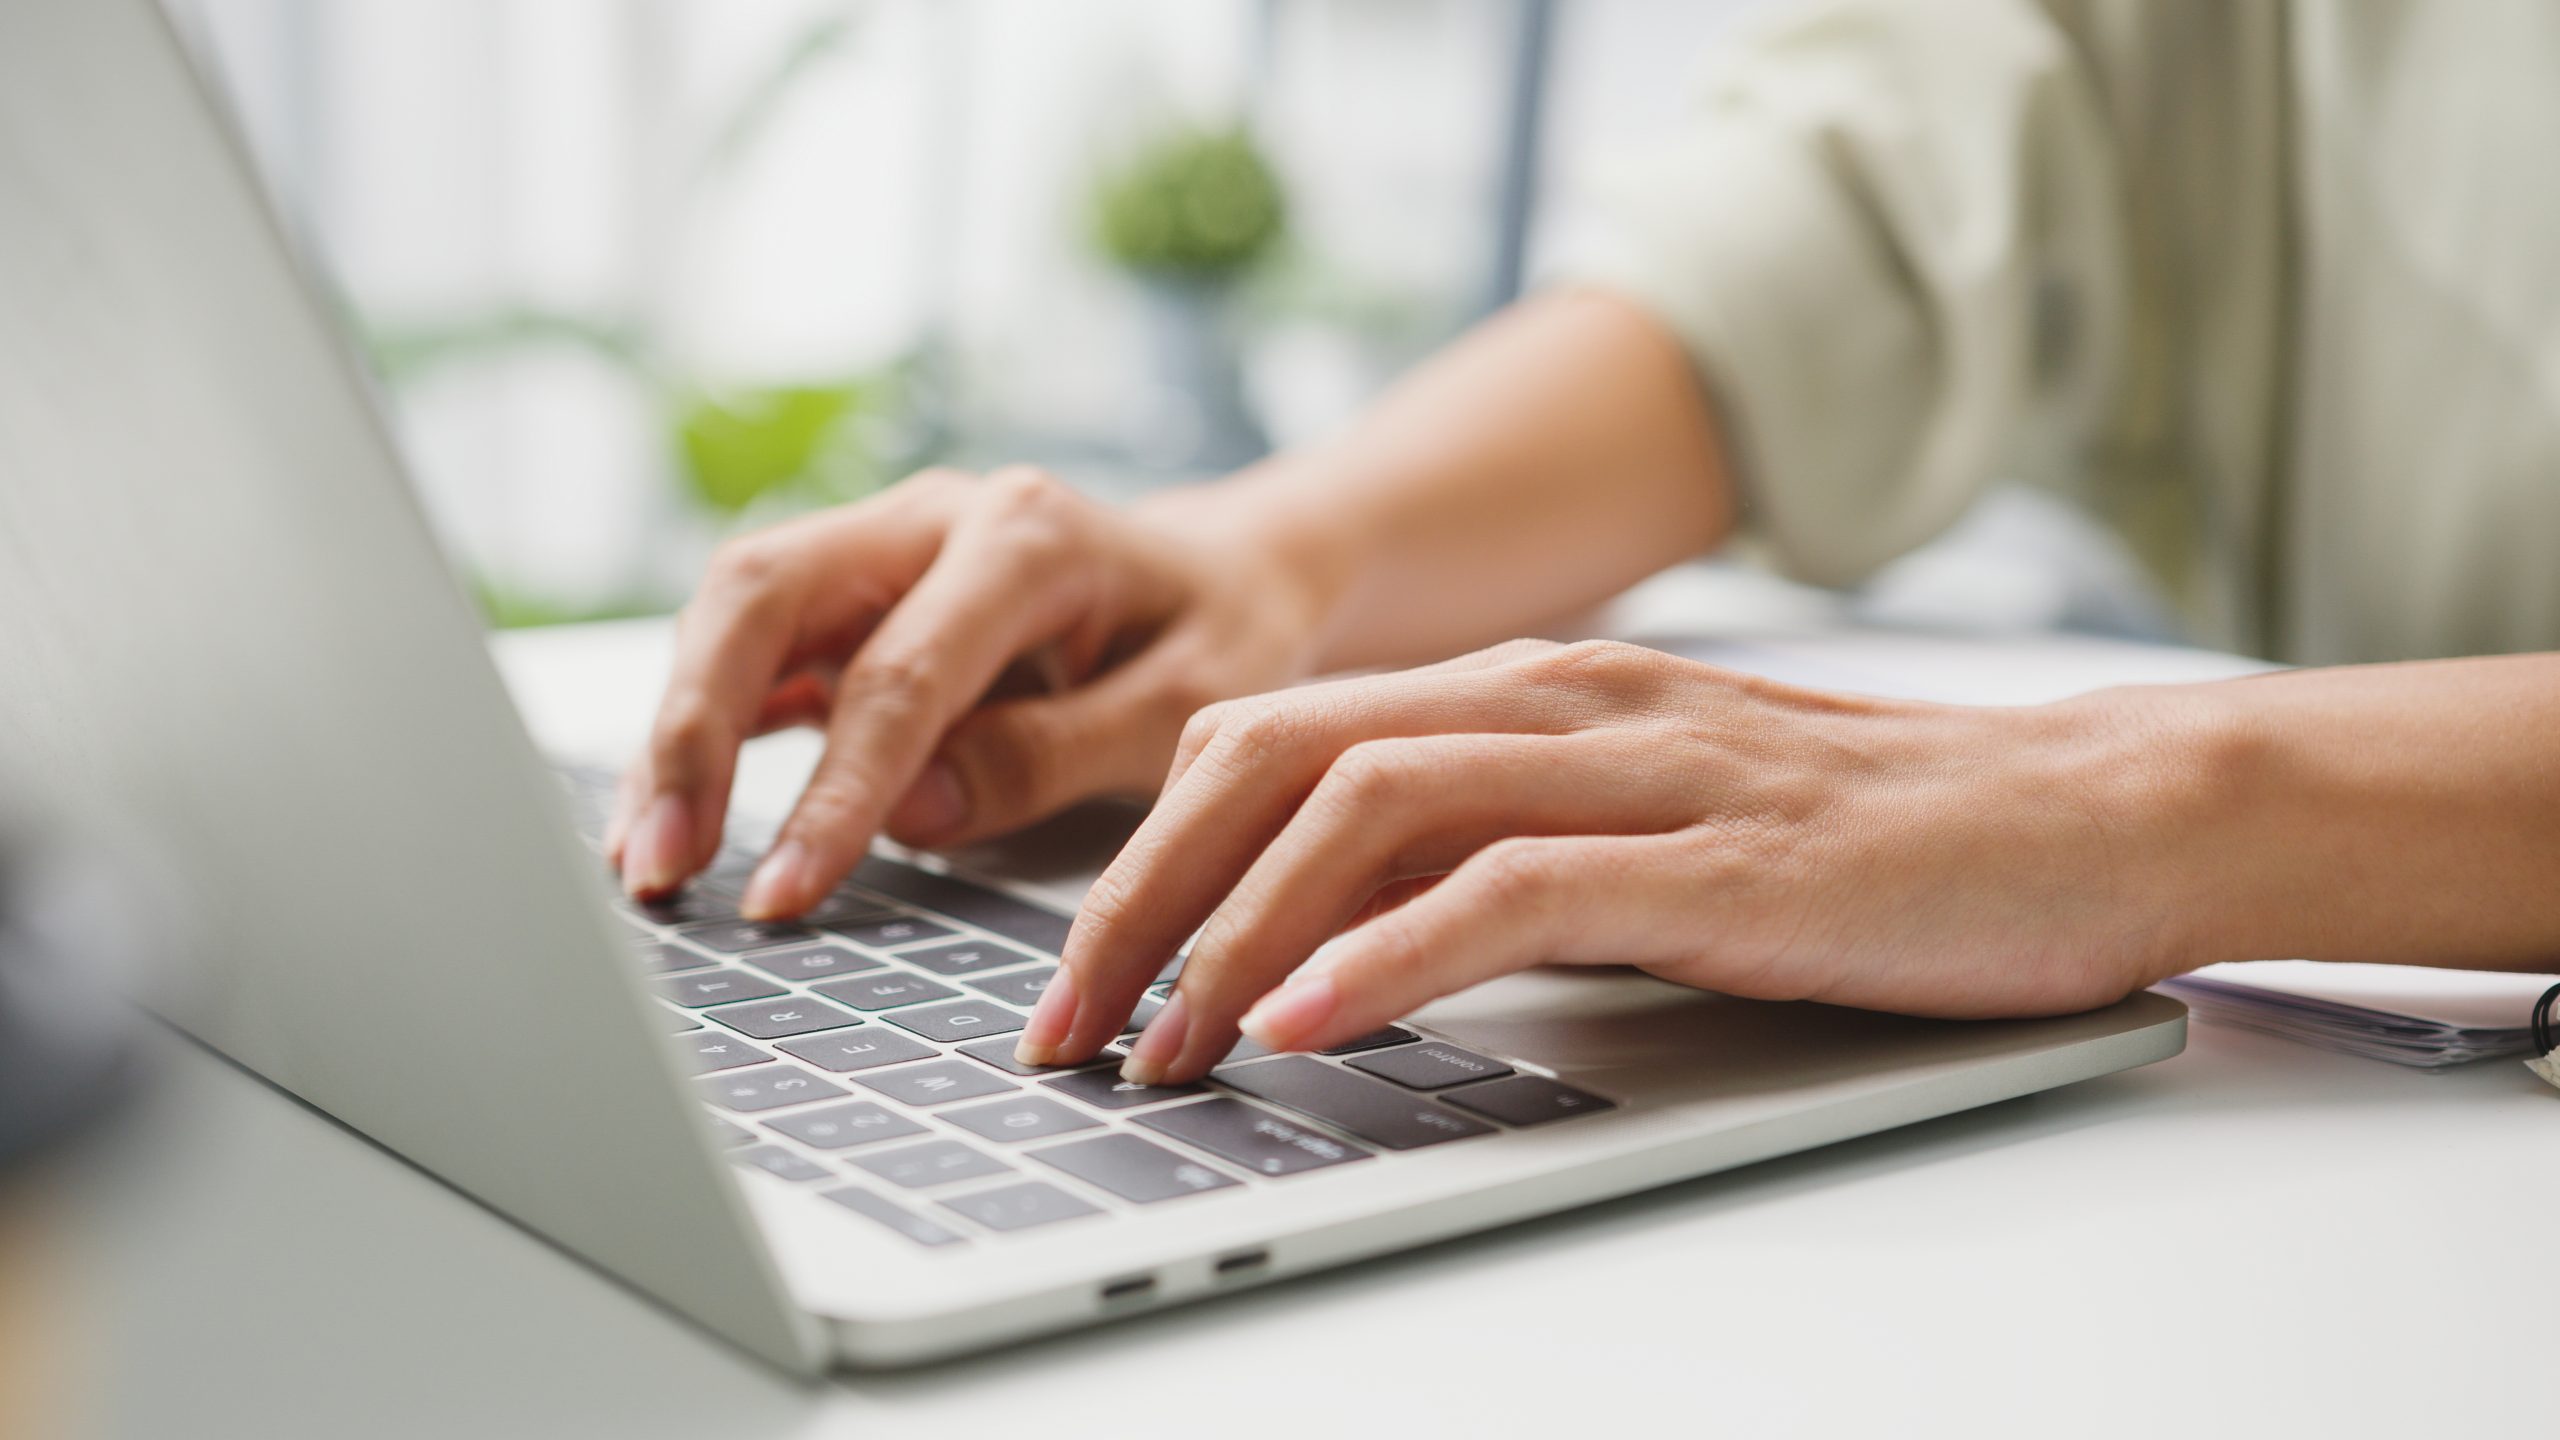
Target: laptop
(224,619)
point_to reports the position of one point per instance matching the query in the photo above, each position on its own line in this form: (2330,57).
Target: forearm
(1557,454)
(2407,814)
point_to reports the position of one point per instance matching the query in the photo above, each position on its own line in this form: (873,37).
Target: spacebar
(1353,1104)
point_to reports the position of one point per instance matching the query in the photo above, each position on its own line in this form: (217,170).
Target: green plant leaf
(744,446)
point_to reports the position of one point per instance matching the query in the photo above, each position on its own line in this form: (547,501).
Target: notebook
(2407,1015)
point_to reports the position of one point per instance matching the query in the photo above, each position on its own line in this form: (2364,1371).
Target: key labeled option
(1429,1067)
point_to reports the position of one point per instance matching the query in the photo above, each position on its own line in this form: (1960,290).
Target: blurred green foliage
(743,446)
(1195,204)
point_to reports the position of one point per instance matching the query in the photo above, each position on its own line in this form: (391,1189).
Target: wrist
(1279,529)
(2166,775)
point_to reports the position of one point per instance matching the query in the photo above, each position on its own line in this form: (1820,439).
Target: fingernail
(1159,1046)
(1051,1018)
(781,884)
(934,805)
(1289,1016)
(654,861)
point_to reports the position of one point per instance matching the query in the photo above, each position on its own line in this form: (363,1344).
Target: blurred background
(636,273)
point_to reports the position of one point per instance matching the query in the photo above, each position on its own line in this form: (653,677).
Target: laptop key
(679,1022)
(999,1053)
(1146,1011)
(966,1020)
(966,957)
(1104,1089)
(1251,1137)
(778,1161)
(813,962)
(716,987)
(1032,1117)
(1139,1171)
(843,908)
(730,1132)
(770,1088)
(685,907)
(1371,1109)
(1374,1040)
(1020,1207)
(885,990)
(939,1083)
(839,1126)
(1529,1100)
(935,1162)
(993,911)
(718,1050)
(661,956)
(893,930)
(848,1050)
(773,1019)
(897,1217)
(1429,1067)
(738,936)
(1021,988)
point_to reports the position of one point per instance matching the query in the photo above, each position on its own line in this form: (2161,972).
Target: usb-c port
(1243,1262)
(1128,1289)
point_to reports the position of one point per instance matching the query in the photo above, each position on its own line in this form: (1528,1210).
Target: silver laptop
(221,615)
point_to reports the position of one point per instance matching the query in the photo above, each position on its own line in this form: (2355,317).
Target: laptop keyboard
(867,1053)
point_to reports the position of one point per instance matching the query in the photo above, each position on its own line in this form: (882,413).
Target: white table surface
(2253,1238)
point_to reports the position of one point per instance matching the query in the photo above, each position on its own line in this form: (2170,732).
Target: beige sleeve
(1887,234)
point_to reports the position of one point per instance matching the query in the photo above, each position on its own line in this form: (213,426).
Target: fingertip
(654,857)
(1295,1015)
(787,883)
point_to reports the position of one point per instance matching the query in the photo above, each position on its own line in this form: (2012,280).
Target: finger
(1388,810)
(1509,652)
(1262,758)
(1394,894)
(768,601)
(1007,578)
(1605,899)
(1008,764)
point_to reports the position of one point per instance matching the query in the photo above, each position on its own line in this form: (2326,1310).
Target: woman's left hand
(1606,804)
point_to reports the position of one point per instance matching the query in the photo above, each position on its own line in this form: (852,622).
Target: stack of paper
(2408,1015)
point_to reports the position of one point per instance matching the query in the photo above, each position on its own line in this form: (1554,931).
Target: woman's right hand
(891,622)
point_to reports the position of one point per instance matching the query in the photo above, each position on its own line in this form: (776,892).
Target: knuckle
(1006,758)
(1257,735)
(1512,652)
(1205,724)
(896,684)
(687,726)
(1516,875)
(751,562)
(1372,775)
(1600,664)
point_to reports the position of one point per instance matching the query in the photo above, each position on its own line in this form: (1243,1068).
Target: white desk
(2254,1238)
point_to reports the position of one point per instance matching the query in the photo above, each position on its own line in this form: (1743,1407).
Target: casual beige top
(2273,288)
